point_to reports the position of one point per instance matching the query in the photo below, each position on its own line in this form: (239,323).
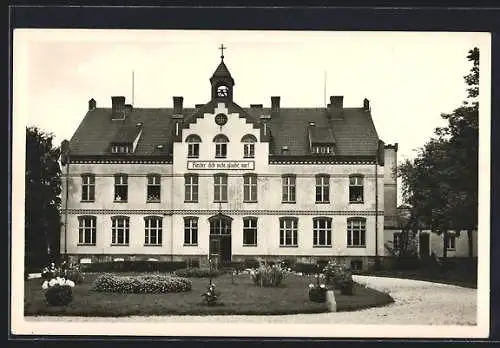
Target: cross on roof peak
(222,48)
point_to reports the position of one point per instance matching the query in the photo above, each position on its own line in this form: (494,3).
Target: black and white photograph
(282,183)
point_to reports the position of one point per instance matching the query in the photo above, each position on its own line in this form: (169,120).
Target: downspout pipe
(376,212)
(66,211)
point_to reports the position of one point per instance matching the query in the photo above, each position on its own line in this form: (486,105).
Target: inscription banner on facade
(231,165)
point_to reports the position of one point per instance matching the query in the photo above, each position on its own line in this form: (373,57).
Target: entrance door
(220,238)
(423,242)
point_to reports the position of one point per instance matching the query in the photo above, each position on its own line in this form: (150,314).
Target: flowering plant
(58,289)
(210,296)
(339,276)
(317,291)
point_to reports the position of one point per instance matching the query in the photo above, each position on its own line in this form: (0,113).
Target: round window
(221,119)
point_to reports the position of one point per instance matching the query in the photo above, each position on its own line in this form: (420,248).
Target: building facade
(227,182)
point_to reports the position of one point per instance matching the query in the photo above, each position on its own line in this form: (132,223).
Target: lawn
(239,297)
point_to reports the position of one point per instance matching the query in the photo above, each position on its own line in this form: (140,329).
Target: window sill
(249,201)
(318,202)
(356,202)
(85,244)
(289,246)
(190,245)
(152,245)
(288,202)
(322,246)
(122,201)
(119,245)
(193,156)
(356,246)
(249,245)
(248,156)
(451,249)
(220,201)
(190,201)
(220,157)
(89,201)
(153,201)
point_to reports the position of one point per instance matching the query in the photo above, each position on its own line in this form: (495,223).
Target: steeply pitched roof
(353,130)
(222,71)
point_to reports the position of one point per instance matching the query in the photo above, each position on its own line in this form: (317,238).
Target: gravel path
(416,303)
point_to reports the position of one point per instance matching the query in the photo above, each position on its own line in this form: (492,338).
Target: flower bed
(141,284)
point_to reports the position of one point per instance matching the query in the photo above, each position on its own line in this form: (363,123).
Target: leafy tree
(441,182)
(42,198)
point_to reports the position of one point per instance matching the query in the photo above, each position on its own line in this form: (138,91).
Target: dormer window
(121,148)
(322,150)
(221,146)
(193,142)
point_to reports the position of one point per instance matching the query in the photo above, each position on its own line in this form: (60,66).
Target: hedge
(197,272)
(133,266)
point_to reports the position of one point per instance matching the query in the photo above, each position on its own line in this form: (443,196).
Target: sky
(410,78)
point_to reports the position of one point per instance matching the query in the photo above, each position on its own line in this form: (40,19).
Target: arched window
(193,141)
(356,232)
(322,231)
(248,145)
(153,230)
(221,141)
(87,230)
(120,230)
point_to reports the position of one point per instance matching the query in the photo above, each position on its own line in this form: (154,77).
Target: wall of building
(267,209)
(390,185)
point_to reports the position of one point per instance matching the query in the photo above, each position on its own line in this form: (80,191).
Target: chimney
(366,105)
(275,105)
(256,106)
(92,104)
(337,101)
(117,104)
(197,106)
(178,105)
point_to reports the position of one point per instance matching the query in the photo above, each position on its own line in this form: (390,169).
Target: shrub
(197,273)
(269,276)
(59,295)
(339,276)
(141,284)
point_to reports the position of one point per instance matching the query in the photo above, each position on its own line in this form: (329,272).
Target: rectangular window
(288,232)
(190,231)
(288,195)
(249,150)
(120,230)
(191,188)
(250,188)
(193,150)
(154,188)
(87,230)
(322,232)
(221,150)
(451,241)
(356,232)
(88,188)
(121,188)
(356,189)
(220,188)
(250,231)
(322,189)
(153,230)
